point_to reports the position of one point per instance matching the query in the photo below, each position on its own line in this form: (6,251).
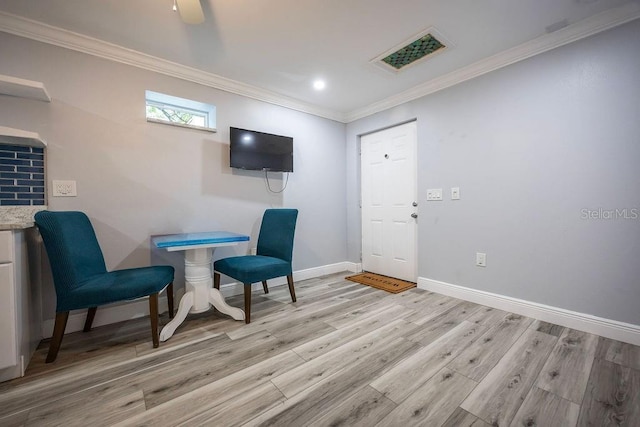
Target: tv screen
(254,150)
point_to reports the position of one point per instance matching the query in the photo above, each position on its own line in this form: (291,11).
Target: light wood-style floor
(343,355)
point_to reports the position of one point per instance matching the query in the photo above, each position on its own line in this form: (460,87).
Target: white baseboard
(355,267)
(608,328)
(231,289)
(106,315)
(140,308)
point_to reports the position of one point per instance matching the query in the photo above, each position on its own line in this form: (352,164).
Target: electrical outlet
(481,259)
(63,188)
(434,194)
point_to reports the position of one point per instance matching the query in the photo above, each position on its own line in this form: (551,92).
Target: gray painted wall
(136,179)
(530,147)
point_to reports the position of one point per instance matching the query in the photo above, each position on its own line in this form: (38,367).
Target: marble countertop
(18,217)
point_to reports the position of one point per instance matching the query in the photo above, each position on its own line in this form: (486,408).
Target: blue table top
(192,239)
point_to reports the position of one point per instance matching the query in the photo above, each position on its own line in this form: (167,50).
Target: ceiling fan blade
(191,11)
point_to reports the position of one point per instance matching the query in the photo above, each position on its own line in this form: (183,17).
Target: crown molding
(45,33)
(569,34)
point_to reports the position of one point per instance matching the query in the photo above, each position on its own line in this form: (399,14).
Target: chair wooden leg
(58,333)
(91,314)
(153,314)
(170,299)
(247,303)
(292,290)
(264,286)
(216,280)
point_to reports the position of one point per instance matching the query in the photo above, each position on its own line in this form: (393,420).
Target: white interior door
(389,192)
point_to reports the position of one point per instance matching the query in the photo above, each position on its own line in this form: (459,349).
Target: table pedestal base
(200,294)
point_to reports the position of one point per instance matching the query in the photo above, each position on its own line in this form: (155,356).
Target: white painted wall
(136,179)
(530,147)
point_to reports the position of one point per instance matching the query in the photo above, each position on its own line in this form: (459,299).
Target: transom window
(175,111)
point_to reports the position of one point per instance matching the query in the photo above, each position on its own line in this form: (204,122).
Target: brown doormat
(379,281)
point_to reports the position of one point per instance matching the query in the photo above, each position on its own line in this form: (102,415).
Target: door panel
(376,238)
(400,252)
(389,188)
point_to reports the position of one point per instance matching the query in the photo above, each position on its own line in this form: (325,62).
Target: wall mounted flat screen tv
(254,150)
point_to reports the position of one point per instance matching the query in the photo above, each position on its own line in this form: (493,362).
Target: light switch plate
(434,194)
(63,188)
(455,193)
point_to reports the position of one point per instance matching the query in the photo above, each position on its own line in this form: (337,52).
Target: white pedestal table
(200,294)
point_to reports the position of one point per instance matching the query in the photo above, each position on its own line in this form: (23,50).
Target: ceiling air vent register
(412,51)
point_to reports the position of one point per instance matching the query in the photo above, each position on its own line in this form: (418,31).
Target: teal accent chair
(272,259)
(81,278)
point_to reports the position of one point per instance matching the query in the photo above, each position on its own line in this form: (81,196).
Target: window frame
(159,100)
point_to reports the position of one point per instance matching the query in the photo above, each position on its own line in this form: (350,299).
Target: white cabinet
(13,136)
(20,311)
(6,247)
(8,350)
(22,88)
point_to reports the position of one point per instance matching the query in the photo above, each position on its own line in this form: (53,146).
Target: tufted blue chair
(272,259)
(81,278)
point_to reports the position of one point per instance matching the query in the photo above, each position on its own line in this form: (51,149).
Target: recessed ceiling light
(319,84)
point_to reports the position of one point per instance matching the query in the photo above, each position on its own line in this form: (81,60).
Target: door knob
(414,204)
(414,215)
